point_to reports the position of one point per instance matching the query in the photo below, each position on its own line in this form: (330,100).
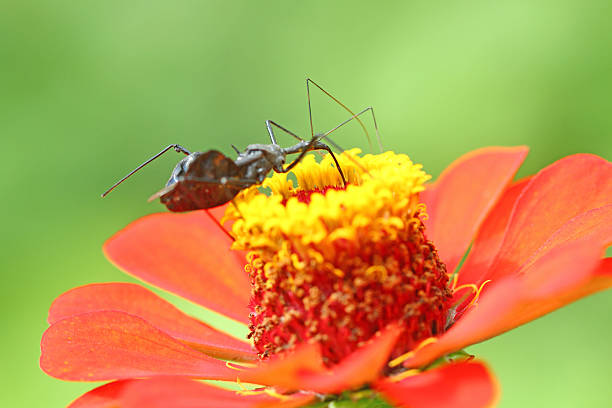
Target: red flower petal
(284,370)
(361,367)
(561,276)
(138,301)
(558,193)
(604,271)
(105,396)
(303,370)
(186,254)
(591,230)
(490,236)
(459,200)
(457,385)
(545,295)
(115,345)
(594,225)
(218,212)
(176,392)
(183,393)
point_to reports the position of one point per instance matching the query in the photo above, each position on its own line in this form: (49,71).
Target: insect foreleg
(314,144)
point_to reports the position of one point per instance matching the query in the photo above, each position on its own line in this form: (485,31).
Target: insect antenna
(177,148)
(310,81)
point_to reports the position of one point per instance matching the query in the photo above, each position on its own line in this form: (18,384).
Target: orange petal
(138,301)
(564,274)
(544,296)
(184,393)
(361,367)
(557,194)
(303,370)
(186,254)
(105,396)
(102,346)
(465,192)
(177,392)
(457,385)
(479,323)
(490,236)
(594,225)
(284,370)
(218,212)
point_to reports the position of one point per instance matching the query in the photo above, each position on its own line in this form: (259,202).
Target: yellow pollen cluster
(381,196)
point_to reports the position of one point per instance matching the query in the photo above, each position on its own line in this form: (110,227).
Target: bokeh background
(90,89)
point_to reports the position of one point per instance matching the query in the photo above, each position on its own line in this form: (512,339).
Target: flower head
(343,286)
(337,265)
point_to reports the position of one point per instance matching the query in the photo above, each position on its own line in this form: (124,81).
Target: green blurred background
(90,89)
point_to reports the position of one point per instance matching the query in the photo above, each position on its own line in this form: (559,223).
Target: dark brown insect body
(209,179)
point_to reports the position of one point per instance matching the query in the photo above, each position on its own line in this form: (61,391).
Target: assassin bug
(204,180)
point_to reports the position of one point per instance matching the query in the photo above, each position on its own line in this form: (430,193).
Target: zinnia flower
(356,291)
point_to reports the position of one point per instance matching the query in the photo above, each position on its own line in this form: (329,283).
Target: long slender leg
(320,146)
(177,148)
(355,116)
(218,223)
(326,136)
(303,150)
(308,81)
(270,123)
(329,150)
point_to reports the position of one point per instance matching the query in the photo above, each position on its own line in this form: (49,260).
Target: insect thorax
(258,159)
(181,168)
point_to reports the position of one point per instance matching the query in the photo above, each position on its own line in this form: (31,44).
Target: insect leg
(270,123)
(322,146)
(314,144)
(218,223)
(310,81)
(355,116)
(177,148)
(302,149)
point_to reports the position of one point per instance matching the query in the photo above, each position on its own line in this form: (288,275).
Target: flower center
(334,264)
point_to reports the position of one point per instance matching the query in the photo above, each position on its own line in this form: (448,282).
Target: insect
(205,180)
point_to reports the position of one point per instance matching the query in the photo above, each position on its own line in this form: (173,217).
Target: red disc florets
(341,295)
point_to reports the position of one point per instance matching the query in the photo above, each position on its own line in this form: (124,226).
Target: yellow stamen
(467,285)
(422,208)
(228,364)
(378,271)
(239,383)
(406,356)
(473,302)
(454,282)
(268,391)
(405,374)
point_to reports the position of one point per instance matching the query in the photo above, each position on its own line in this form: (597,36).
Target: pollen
(333,263)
